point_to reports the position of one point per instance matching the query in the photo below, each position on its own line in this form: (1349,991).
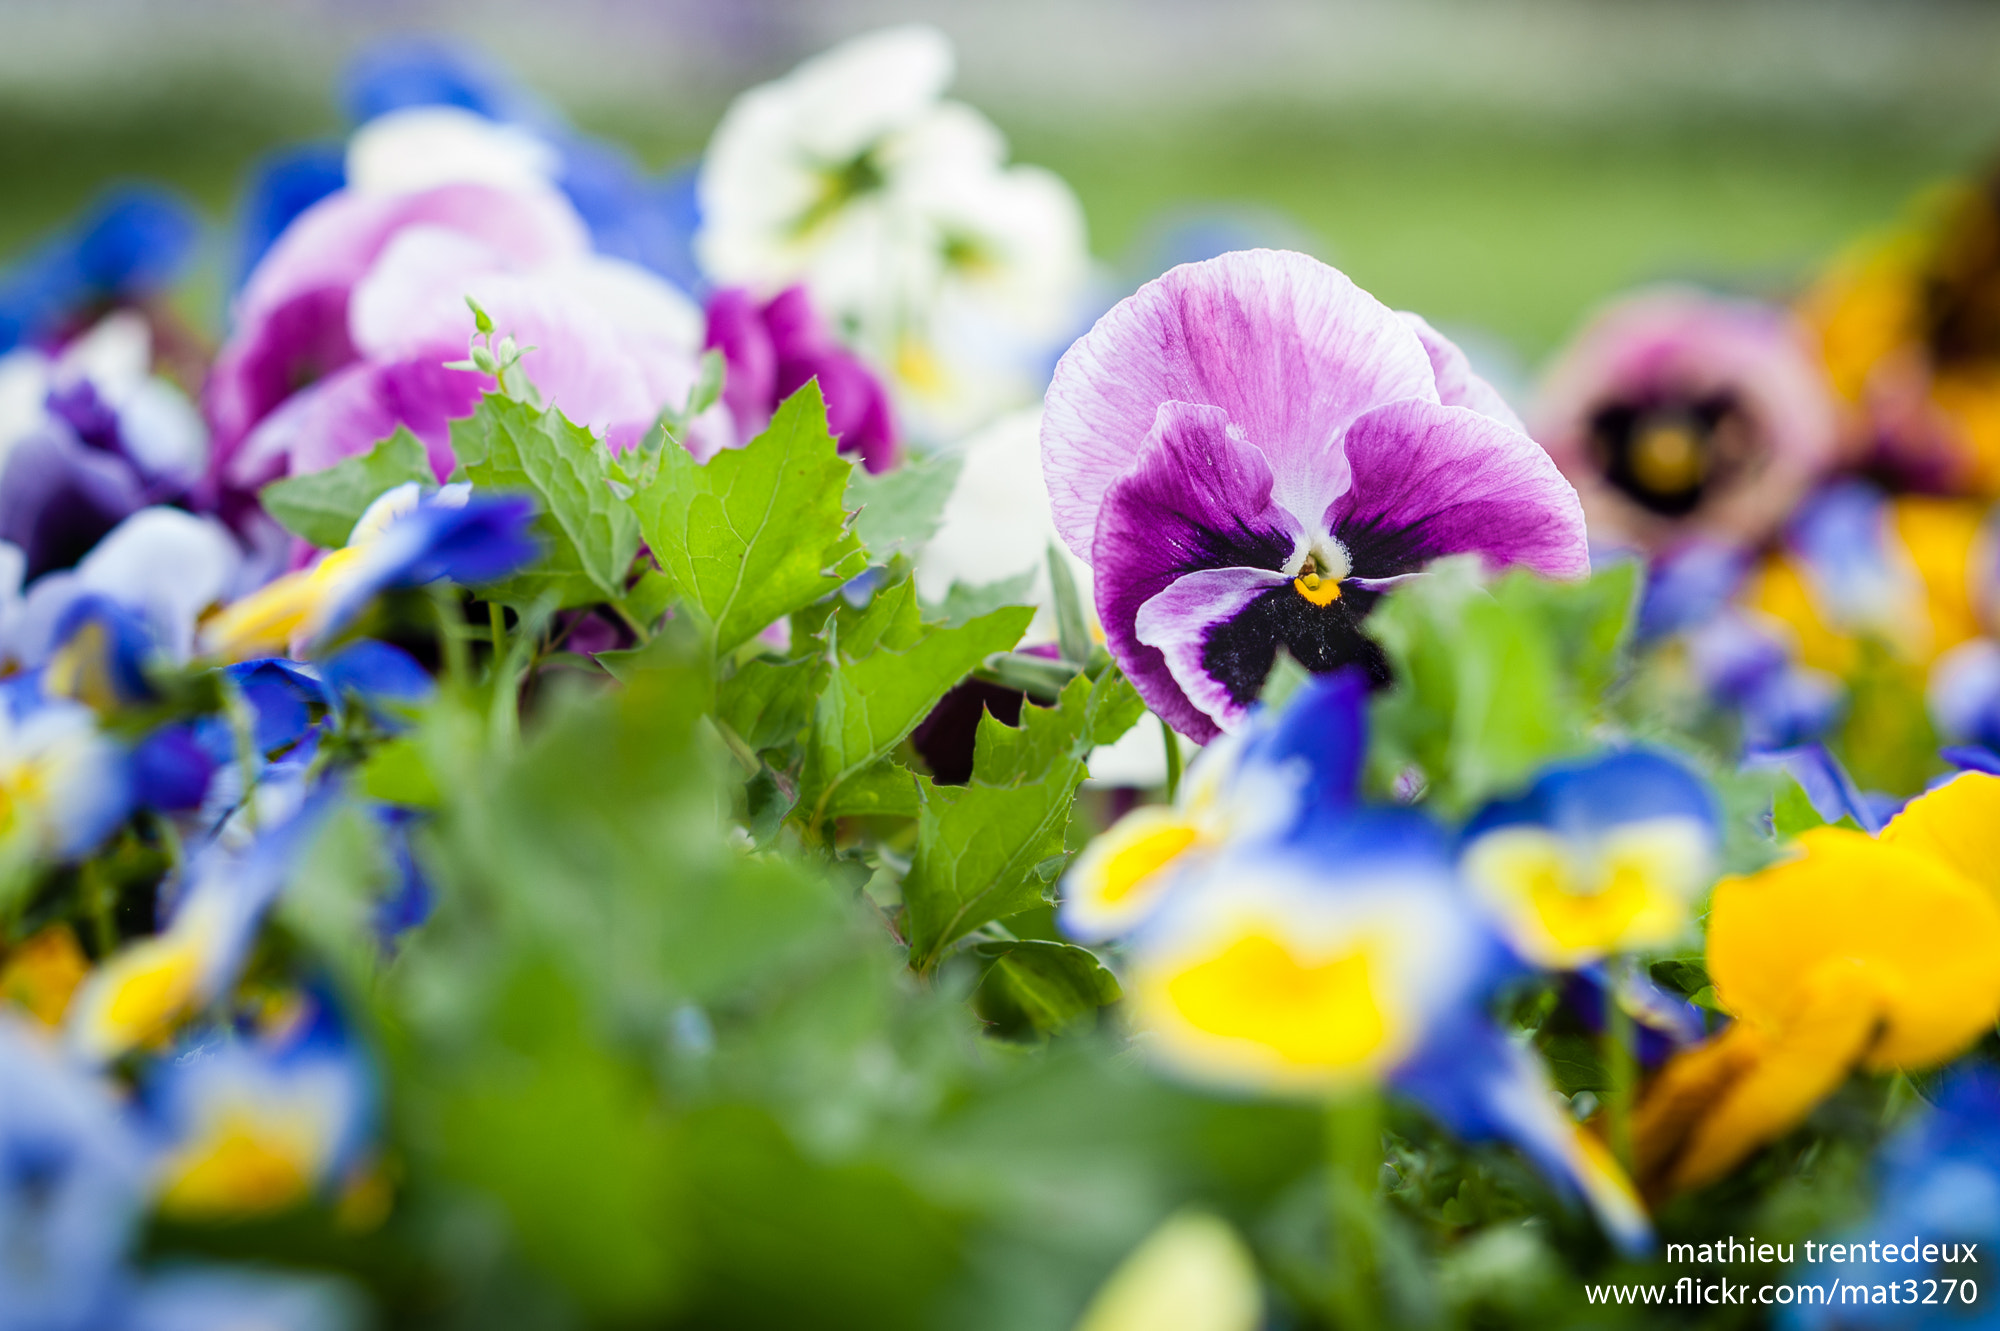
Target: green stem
(451,624)
(496,621)
(1173,761)
(1354,1171)
(243,728)
(1621,1064)
(98,890)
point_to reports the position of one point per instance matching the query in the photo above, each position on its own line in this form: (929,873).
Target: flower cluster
(627,733)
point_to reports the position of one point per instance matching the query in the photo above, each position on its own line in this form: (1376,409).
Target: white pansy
(953,271)
(422,147)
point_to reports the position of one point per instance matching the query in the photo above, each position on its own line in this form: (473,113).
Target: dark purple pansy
(1250,450)
(772,349)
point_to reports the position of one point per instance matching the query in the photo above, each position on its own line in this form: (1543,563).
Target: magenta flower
(1682,416)
(344,330)
(1250,450)
(771,350)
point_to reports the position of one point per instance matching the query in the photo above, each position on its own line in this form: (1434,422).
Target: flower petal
(1199,497)
(1288,348)
(1179,623)
(1457,384)
(1433,480)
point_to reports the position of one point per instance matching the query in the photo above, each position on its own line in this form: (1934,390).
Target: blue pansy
(72,1177)
(133,242)
(255,1122)
(142,991)
(1290,767)
(383,680)
(283,185)
(1599,856)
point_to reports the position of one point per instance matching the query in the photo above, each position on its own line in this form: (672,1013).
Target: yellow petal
(1957,823)
(1940,536)
(43,973)
(1123,873)
(1792,1073)
(242,1163)
(1923,936)
(1686,1089)
(1191,1274)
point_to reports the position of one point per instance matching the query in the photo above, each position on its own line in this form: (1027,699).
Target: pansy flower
(1680,415)
(72,1177)
(1306,969)
(345,329)
(771,348)
(63,783)
(1937,1182)
(952,269)
(131,245)
(1911,341)
(1251,450)
(1599,856)
(138,994)
(1293,764)
(405,539)
(253,1125)
(1903,571)
(1881,953)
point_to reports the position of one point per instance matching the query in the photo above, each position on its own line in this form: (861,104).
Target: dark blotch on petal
(1240,651)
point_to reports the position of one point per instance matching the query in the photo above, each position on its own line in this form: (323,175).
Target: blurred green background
(1498,167)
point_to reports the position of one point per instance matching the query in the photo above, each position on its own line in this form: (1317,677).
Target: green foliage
(1041,987)
(901,508)
(963,603)
(988,849)
(887,670)
(592,534)
(1494,679)
(758,532)
(323,506)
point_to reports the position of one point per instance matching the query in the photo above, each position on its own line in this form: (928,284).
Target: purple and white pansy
(1251,450)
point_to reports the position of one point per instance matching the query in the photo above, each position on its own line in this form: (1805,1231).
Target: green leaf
(511,445)
(977,850)
(1283,680)
(1072,630)
(1492,681)
(1038,987)
(887,789)
(323,506)
(756,532)
(981,847)
(965,602)
(900,509)
(769,702)
(396,773)
(1793,812)
(888,670)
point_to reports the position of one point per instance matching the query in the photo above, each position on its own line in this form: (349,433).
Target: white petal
(424,146)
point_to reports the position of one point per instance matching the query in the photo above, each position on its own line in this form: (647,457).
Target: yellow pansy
(1882,954)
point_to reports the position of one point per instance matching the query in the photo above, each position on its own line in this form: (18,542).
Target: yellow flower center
(244,1165)
(1318,590)
(1318,1014)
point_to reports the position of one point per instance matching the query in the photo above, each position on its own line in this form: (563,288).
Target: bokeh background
(1499,165)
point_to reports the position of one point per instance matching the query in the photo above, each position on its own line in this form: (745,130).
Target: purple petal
(1457,384)
(291,318)
(1180,621)
(1431,480)
(349,413)
(749,384)
(1199,497)
(1288,348)
(58,498)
